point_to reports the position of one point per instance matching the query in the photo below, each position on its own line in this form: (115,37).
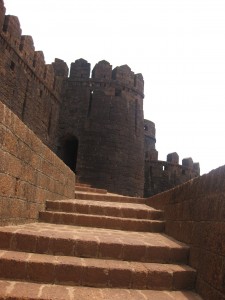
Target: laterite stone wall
(195,214)
(30,172)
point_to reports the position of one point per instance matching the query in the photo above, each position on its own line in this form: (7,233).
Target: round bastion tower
(101,126)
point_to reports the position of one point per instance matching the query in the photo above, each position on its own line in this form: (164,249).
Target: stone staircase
(97,246)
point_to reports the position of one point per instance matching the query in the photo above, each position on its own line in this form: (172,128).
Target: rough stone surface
(94,124)
(105,114)
(160,175)
(30,172)
(21,291)
(28,86)
(194,214)
(49,260)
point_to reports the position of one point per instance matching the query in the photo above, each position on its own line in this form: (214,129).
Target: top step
(82,184)
(108,197)
(89,189)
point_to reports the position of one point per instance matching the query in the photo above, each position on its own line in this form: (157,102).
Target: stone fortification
(194,214)
(30,172)
(93,123)
(28,86)
(101,119)
(164,175)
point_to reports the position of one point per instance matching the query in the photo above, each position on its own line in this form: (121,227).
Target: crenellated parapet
(29,87)
(23,47)
(163,175)
(121,80)
(93,121)
(103,113)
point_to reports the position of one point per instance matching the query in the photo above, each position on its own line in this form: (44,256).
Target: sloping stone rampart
(30,173)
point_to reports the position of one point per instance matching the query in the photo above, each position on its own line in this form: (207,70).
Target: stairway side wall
(195,214)
(30,172)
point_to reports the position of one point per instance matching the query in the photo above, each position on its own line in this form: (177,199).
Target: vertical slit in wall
(90,103)
(136,114)
(25,100)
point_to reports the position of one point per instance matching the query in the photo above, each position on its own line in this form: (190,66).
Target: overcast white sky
(178,46)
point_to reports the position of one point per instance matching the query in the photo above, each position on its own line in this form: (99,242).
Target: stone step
(122,210)
(93,242)
(94,272)
(109,198)
(87,189)
(82,184)
(102,221)
(18,290)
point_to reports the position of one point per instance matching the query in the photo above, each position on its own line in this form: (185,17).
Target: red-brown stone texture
(161,175)
(103,116)
(28,86)
(95,124)
(30,172)
(194,214)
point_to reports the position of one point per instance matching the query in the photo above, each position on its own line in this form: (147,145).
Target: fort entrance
(68,152)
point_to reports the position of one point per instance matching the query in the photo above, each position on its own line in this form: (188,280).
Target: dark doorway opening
(69,152)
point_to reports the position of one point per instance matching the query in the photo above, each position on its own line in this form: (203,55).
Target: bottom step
(23,290)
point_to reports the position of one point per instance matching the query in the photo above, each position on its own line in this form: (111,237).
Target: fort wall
(105,114)
(164,175)
(93,123)
(29,87)
(30,172)
(194,214)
